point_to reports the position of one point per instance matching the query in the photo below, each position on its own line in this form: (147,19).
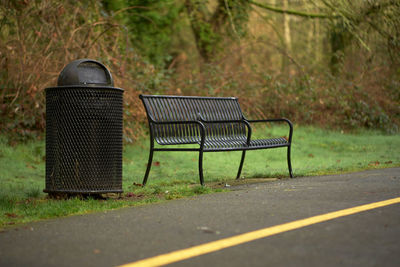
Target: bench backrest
(188,108)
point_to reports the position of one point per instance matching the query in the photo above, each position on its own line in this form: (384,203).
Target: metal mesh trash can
(84,120)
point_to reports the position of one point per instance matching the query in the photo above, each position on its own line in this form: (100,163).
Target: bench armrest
(243,120)
(277,120)
(202,119)
(202,127)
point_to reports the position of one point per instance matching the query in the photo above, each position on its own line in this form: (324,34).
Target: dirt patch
(231,183)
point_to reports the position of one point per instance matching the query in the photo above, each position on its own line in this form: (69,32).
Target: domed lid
(85,72)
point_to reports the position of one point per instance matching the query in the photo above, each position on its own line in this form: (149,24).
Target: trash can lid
(85,72)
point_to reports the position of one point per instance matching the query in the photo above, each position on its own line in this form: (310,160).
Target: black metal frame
(202,124)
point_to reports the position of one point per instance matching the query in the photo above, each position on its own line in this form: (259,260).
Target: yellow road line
(195,251)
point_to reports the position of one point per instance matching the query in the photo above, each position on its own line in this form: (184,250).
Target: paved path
(370,238)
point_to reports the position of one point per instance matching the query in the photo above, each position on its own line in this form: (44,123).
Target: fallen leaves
(11,215)
(131,195)
(157,163)
(374,163)
(31,166)
(377,163)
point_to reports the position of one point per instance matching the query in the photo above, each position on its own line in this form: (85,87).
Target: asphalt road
(370,238)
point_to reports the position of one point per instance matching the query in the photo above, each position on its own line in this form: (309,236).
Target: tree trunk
(286,35)
(209,28)
(339,39)
(204,35)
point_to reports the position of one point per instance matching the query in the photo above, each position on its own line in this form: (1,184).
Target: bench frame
(202,123)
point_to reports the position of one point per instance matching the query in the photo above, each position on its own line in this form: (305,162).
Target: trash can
(84,121)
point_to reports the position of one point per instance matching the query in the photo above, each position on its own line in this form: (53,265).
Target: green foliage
(212,27)
(238,13)
(151,25)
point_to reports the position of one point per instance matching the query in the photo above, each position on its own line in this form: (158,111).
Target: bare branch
(293,12)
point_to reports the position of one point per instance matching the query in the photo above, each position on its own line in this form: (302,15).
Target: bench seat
(226,145)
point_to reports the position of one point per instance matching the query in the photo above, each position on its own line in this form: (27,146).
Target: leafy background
(333,64)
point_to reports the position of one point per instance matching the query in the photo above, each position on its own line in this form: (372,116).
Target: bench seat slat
(239,144)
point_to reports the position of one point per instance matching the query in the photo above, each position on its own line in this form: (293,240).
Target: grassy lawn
(175,175)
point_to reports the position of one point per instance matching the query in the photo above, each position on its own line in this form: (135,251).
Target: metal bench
(211,123)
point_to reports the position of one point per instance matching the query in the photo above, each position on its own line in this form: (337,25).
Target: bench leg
(148,167)
(289,163)
(241,165)
(201,167)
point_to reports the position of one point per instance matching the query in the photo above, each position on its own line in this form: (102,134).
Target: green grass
(175,174)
